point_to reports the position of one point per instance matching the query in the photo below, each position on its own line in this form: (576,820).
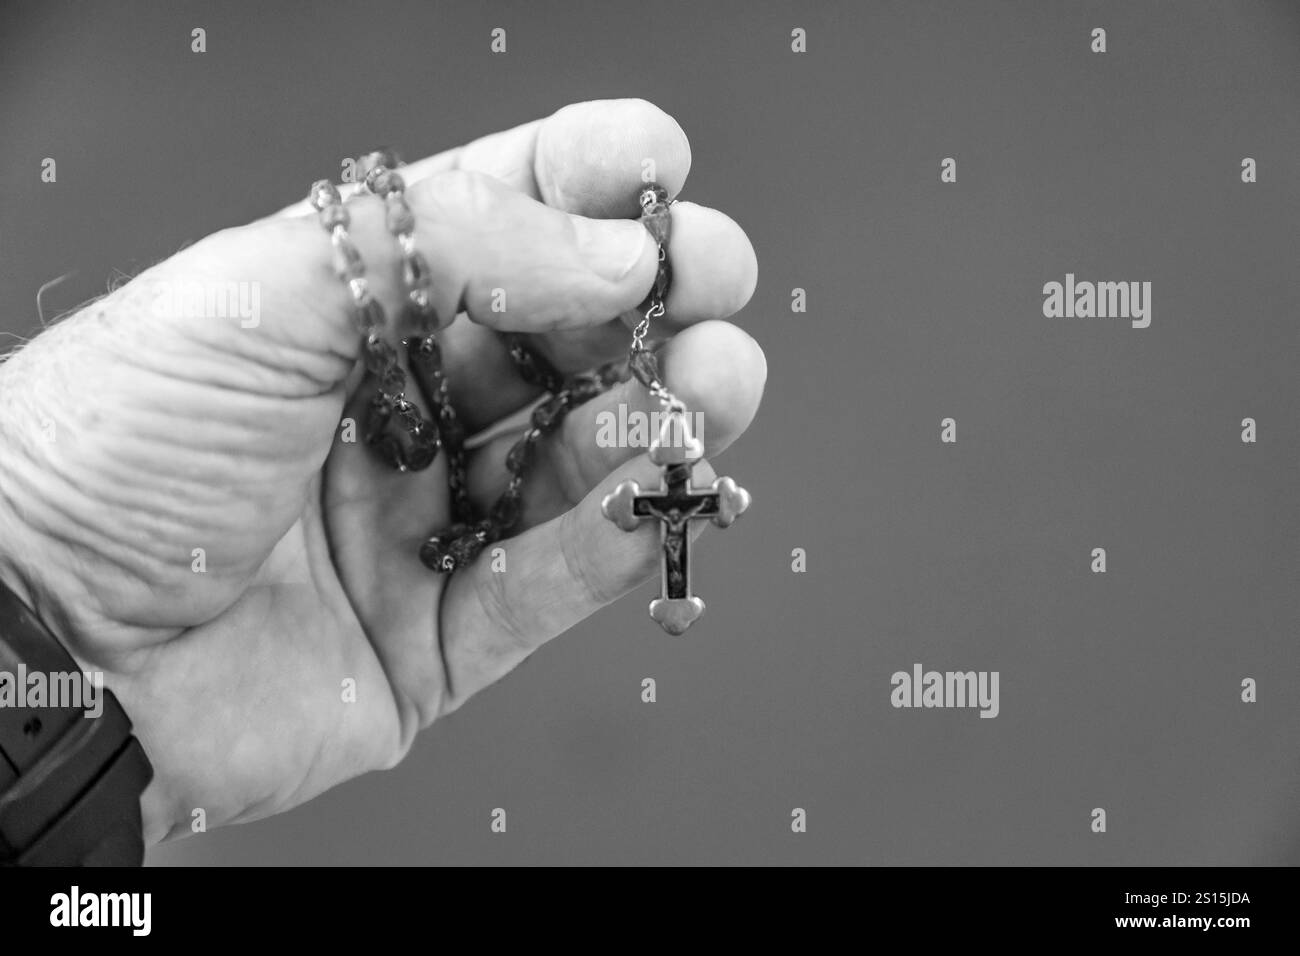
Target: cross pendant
(676,504)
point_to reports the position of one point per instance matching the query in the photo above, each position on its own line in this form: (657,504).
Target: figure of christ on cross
(676,504)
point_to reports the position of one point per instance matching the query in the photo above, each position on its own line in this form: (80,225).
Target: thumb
(507,260)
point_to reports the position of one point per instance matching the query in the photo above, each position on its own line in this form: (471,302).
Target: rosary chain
(423,353)
(655,215)
(417,443)
(461,543)
(414,444)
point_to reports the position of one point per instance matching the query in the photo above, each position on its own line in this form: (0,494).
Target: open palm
(181,504)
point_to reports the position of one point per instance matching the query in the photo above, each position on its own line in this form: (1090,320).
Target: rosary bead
(663,280)
(428,378)
(399,435)
(369,316)
(379,354)
(383,156)
(398,216)
(453,432)
(431,553)
(461,506)
(420,312)
(324,193)
(435,553)
(583,388)
(425,357)
(377,431)
(381,180)
(431,384)
(533,368)
(465,549)
(456,547)
(651,194)
(644,366)
(505,513)
(381,361)
(456,481)
(529,372)
(426,349)
(551,382)
(611,373)
(548,414)
(521,454)
(333,215)
(378,412)
(347,260)
(652,306)
(421,307)
(417,439)
(392,380)
(659,223)
(415,270)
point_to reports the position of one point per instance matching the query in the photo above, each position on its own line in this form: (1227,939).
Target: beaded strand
(414,443)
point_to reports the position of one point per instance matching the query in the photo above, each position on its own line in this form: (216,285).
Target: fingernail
(611,247)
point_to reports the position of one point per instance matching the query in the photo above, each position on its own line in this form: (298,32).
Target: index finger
(586,158)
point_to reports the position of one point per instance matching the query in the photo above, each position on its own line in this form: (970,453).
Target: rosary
(397,431)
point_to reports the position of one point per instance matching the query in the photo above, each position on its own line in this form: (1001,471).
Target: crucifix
(675,504)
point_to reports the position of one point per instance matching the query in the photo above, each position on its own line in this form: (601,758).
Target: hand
(133,435)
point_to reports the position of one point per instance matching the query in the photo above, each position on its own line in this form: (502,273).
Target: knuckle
(457,194)
(491,592)
(577,563)
(569,463)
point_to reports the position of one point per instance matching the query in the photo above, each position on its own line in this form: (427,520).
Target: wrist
(34,567)
(71,771)
(29,564)
(20,550)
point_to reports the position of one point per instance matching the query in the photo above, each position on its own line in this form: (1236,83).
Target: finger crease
(576,565)
(489,588)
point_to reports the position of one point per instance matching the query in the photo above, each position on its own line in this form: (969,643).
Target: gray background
(1118,690)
